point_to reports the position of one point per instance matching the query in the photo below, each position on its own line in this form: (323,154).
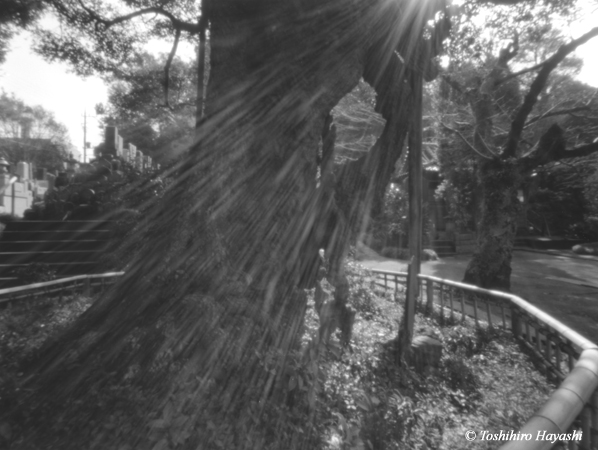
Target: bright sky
(68,96)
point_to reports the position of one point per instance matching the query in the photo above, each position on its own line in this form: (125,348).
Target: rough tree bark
(352,193)
(490,266)
(186,350)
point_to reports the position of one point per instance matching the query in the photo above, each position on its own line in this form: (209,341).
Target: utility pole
(84,136)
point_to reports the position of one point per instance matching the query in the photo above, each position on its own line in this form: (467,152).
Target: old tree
(513,122)
(194,347)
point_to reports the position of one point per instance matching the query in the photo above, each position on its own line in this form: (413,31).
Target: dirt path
(566,288)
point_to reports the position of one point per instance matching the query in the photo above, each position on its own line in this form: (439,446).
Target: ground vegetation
(357,398)
(32,134)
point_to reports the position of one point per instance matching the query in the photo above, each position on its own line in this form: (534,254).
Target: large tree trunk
(187,350)
(490,266)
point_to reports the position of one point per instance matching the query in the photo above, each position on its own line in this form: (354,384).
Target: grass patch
(24,327)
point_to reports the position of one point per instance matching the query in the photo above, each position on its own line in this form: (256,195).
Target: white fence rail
(565,355)
(86,283)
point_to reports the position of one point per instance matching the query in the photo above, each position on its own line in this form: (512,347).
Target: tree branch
(551,148)
(471,147)
(453,83)
(537,86)
(578,152)
(558,112)
(516,74)
(177,36)
(177,24)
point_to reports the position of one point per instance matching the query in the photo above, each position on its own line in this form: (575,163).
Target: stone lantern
(4,165)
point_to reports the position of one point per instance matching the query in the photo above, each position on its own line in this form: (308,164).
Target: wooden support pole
(201,67)
(415,205)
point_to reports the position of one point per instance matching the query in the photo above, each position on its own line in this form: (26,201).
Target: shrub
(458,375)
(35,273)
(361,295)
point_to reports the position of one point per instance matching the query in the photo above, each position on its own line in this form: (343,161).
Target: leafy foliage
(106,37)
(560,200)
(49,142)
(15,15)
(136,105)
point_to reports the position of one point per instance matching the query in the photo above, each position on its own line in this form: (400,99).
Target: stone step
(547,243)
(51,245)
(463,249)
(54,235)
(441,243)
(444,250)
(49,256)
(53,225)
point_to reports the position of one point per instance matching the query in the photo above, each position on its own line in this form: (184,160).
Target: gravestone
(51,179)
(119,145)
(23,171)
(111,140)
(132,152)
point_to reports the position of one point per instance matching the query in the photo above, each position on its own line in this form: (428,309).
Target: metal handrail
(575,401)
(30,290)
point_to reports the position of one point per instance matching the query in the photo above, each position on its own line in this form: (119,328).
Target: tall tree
(32,134)
(211,301)
(511,136)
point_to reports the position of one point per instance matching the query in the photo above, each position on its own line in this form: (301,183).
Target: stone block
(425,353)
(19,188)
(586,249)
(429,255)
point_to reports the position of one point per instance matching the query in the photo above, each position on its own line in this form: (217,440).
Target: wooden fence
(563,354)
(85,283)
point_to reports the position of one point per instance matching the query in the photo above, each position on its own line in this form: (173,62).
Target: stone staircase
(443,247)
(69,247)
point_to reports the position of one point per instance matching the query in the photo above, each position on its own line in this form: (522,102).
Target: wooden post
(12,202)
(515,323)
(87,287)
(415,206)
(429,297)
